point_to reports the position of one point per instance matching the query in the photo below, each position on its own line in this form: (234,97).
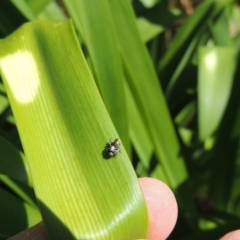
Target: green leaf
(10,18)
(183,43)
(139,135)
(225,163)
(23,7)
(15,215)
(147,29)
(37,6)
(22,190)
(42,9)
(3,101)
(98,34)
(155,21)
(64,128)
(220,30)
(149,97)
(10,157)
(216,71)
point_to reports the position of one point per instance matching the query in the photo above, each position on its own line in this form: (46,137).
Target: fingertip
(235,235)
(162,208)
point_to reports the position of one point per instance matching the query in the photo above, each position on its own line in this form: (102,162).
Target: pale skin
(162,209)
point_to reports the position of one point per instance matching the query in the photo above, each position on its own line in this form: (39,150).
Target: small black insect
(113,148)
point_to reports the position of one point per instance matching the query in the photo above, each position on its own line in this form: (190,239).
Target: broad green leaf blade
(13,163)
(15,215)
(98,34)
(64,128)
(216,70)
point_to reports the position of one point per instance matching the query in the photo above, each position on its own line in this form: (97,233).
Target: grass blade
(144,84)
(15,212)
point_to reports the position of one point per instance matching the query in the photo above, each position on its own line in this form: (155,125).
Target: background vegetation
(169,77)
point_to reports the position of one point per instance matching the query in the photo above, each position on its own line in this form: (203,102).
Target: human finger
(235,235)
(162,208)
